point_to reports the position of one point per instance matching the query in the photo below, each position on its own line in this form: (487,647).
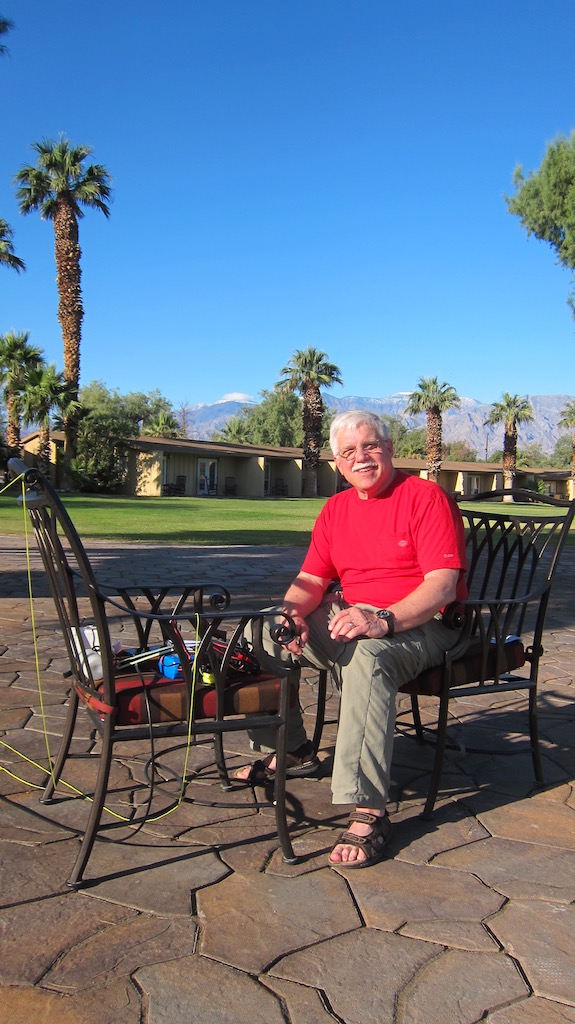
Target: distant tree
(396,429)
(164,424)
(510,411)
(413,444)
(563,456)
(496,456)
(59,186)
(545,201)
(434,399)
(459,451)
(106,420)
(276,420)
(17,356)
(182,412)
(306,373)
(7,255)
(532,456)
(567,422)
(44,390)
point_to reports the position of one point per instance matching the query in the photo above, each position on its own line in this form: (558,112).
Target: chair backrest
(513,550)
(83,604)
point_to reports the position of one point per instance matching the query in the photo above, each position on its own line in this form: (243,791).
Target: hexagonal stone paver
(250,922)
(459,987)
(118,1003)
(394,894)
(195,988)
(541,936)
(517,869)
(118,951)
(360,973)
(533,1011)
(35,934)
(545,822)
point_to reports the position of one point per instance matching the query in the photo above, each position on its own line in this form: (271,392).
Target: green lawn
(181,520)
(188,520)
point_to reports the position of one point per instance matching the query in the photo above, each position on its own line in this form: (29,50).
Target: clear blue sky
(296,172)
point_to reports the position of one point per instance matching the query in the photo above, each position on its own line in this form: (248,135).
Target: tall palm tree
(434,399)
(7,256)
(5,26)
(511,410)
(17,356)
(307,372)
(567,422)
(43,390)
(59,186)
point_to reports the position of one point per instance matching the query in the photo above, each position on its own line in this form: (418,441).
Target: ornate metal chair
(183,667)
(513,555)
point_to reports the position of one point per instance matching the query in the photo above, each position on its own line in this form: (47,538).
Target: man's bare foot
(364,841)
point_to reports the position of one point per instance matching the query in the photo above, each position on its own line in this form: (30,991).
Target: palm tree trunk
(70,309)
(312,418)
(13,442)
(43,454)
(509,456)
(434,444)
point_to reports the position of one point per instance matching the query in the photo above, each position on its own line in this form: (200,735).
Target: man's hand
(437,590)
(296,646)
(353,622)
(302,597)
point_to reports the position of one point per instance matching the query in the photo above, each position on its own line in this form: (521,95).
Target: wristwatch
(384,613)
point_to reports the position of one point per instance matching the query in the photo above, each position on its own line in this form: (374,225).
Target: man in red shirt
(396,544)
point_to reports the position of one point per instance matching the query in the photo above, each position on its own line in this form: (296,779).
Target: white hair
(356,418)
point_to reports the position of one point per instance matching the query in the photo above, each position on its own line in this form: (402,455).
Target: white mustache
(364,465)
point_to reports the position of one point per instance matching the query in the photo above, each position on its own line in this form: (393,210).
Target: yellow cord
(35,764)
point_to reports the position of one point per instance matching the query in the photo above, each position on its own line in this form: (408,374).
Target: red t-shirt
(381,548)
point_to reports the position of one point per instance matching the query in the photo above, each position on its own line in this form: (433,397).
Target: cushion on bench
(467,670)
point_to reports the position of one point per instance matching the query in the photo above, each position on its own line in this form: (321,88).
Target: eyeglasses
(370,447)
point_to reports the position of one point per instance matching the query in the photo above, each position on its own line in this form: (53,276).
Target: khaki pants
(368,674)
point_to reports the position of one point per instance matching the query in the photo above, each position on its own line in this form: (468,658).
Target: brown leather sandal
(373,845)
(299,764)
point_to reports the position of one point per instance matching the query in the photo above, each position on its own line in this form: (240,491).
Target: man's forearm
(430,597)
(304,595)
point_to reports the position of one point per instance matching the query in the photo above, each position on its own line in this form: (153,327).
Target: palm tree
(17,356)
(5,26)
(511,410)
(59,186)
(567,422)
(434,399)
(307,372)
(163,424)
(43,389)
(7,257)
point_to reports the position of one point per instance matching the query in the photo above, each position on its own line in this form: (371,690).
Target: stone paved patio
(196,918)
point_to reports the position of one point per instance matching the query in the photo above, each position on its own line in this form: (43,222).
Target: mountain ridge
(466,423)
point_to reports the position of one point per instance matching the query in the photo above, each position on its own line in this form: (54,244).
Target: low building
(159,466)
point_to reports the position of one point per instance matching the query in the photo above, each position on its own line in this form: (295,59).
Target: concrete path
(196,919)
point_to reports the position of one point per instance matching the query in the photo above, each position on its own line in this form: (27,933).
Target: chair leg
(75,879)
(416,718)
(63,750)
(320,713)
(438,762)
(534,734)
(280,777)
(220,760)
